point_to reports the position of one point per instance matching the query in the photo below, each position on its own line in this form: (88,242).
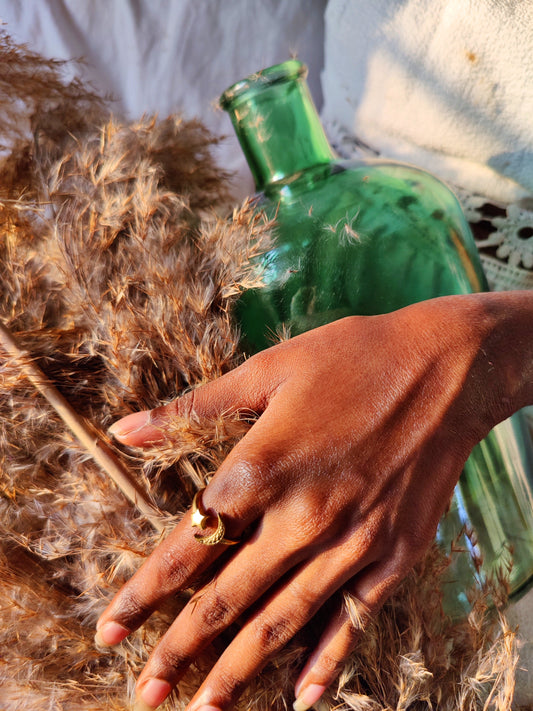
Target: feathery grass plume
(120,260)
(412,656)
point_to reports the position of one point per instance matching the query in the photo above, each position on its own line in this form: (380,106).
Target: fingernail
(207,708)
(130,423)
(153,693)
(303,676)
(308,697)
(109,634)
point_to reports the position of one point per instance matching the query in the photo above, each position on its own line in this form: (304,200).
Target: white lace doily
(505,240)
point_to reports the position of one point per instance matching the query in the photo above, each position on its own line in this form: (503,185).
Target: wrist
(506,348)
(484,343)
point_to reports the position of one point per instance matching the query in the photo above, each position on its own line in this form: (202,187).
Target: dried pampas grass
(120,260)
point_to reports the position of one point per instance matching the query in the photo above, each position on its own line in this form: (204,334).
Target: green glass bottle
(369,237)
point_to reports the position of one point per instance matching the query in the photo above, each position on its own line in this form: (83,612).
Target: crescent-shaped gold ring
(199,519)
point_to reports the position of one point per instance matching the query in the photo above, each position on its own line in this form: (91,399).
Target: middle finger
(275,623)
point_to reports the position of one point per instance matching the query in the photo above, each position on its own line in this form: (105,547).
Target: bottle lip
(291,69)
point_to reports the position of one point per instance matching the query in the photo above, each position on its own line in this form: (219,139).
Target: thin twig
(83,430)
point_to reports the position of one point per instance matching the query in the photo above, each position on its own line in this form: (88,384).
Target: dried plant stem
(84,431)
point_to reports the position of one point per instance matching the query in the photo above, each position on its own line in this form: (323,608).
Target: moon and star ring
(199,519)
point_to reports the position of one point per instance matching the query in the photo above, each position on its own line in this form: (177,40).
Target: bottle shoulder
(368,177)
(379,192)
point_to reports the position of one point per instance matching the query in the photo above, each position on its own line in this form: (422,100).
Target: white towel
(445,84)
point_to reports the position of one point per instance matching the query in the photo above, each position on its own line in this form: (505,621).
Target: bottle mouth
(286,71)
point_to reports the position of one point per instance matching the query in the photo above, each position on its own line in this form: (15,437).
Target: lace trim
(504,237)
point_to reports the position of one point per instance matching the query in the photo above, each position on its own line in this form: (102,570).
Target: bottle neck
(277,123)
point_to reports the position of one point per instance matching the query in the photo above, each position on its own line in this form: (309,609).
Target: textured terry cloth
(444,84)
(160,56)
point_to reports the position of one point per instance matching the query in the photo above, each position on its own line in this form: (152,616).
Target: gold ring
(199,519)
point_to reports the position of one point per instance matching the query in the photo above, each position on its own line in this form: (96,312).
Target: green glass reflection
(357,239)
(369,237)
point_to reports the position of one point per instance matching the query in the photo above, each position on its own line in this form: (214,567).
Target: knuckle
(168,663)
(243,473)
(306,602)
(182,407)
(328,665)
(130,609)
(230,686)
(172,571)
(247,479)
(305,532)
(256,466)
(272,635)
(257,363)
(215,613)
(160,415)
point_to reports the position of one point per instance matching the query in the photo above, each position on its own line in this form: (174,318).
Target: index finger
(174,565)
(248,387)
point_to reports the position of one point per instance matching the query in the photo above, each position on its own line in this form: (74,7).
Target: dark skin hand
(364,427)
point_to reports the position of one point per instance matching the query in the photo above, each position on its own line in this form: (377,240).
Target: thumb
(245,388)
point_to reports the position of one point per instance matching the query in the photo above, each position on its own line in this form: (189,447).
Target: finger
(237,494)
(248,387)
(286,611)
(218,605)
(362,598)
(173,566)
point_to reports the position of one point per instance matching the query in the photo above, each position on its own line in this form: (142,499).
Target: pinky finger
(363,597)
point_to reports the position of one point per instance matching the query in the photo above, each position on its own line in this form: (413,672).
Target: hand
(364,427)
